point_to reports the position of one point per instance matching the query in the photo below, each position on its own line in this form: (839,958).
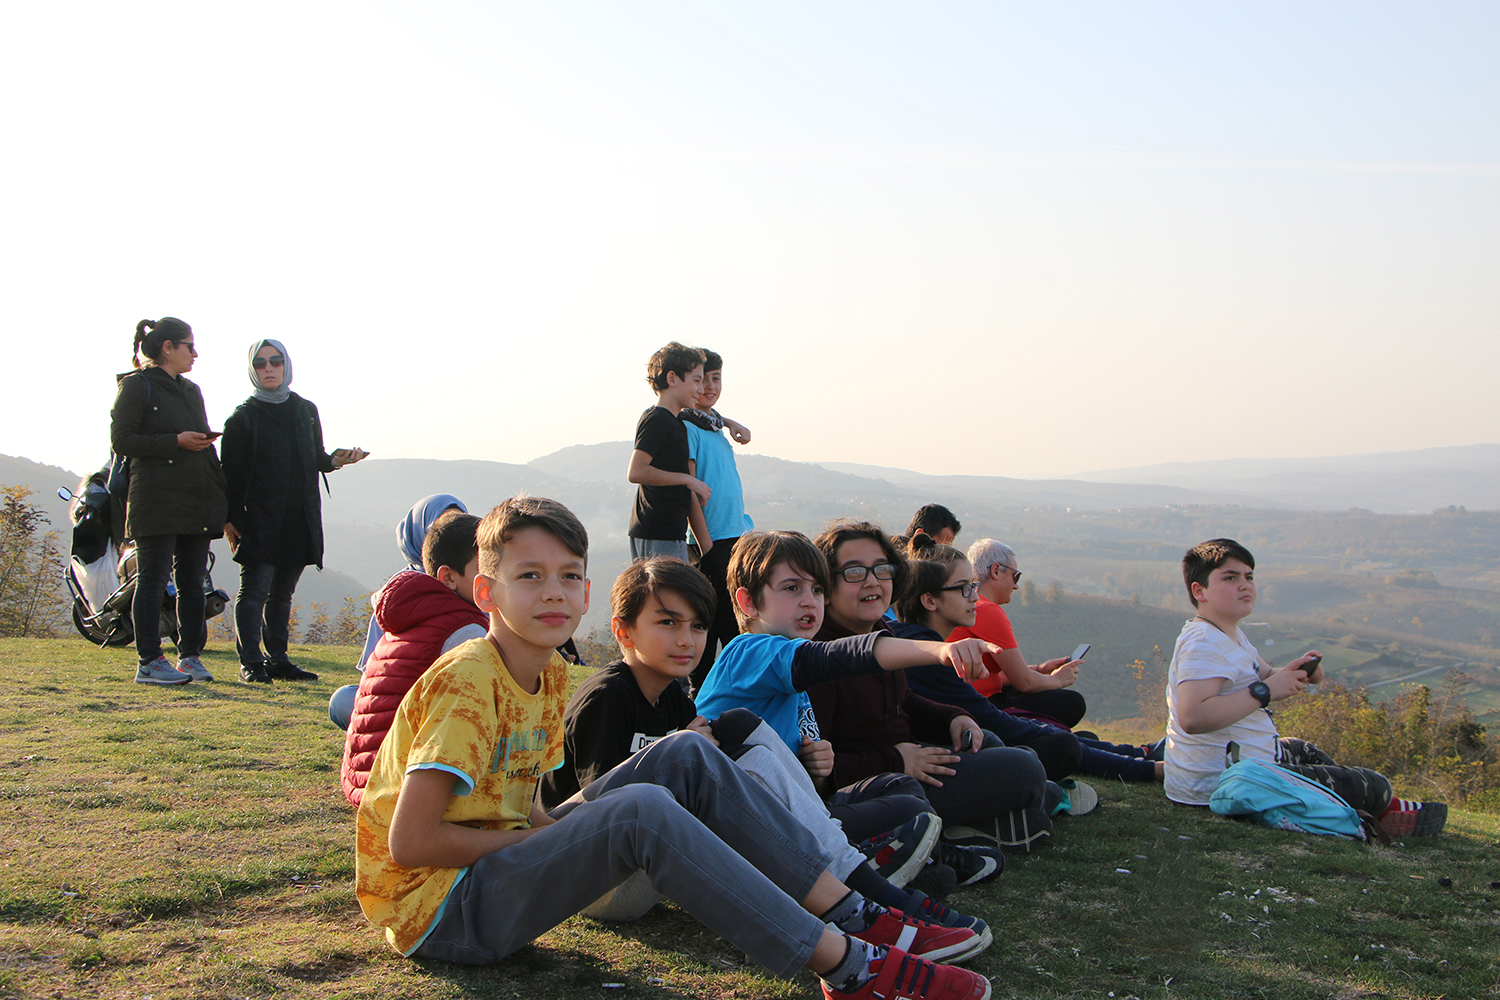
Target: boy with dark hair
(664,505)
(661,608)
(457,860)
(711,458)
(423,615)
(1219,692)
(935,519)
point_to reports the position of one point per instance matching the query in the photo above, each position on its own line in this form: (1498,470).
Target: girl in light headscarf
(272,454)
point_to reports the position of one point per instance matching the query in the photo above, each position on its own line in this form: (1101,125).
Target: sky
(1002,239)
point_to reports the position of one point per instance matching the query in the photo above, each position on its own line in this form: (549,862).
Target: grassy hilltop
(192,842)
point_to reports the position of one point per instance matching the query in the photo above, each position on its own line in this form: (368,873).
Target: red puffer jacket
(418,615)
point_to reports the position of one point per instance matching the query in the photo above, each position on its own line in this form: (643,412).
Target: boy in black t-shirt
(659,463)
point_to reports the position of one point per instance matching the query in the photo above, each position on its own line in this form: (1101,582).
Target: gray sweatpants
(707,835)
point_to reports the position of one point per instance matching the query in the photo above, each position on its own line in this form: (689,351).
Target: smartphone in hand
(1081,651)
(1311,666)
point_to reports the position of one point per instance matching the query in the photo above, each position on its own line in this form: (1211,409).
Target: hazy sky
(1007,239)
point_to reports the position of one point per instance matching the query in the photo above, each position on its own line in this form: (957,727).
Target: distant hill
(1395,482)
(1429,578)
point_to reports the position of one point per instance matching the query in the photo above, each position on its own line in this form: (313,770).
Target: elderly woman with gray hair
(272,454)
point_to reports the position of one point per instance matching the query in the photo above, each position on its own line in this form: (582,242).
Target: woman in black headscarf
(273,452)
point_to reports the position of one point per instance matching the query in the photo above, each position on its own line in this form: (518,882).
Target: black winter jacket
(173,491)
(258,466)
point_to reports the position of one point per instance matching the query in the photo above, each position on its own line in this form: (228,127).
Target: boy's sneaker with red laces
(933,912)
(899,854)
(1414,819)
(899,976)
(894,929)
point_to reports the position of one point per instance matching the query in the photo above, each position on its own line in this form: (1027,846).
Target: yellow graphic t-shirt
(465,715)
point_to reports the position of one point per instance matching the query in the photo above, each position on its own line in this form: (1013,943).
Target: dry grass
(192,842)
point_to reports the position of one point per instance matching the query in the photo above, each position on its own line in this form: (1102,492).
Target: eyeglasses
(275,360)
(1015,574)
(854,574)
(965,590)
(188,344)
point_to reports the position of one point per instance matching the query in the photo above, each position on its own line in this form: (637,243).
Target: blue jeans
(263,611)
(157,557)
(709,837)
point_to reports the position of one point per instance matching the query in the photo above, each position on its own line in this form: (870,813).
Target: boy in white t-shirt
(1219,692)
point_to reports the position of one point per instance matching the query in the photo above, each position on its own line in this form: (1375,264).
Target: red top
(992,625)
(418,615)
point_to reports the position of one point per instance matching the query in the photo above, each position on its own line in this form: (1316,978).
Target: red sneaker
(934,942)
(899,976)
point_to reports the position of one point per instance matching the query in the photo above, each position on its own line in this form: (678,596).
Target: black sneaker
(254,675)
(288,671)
(1157,750)
(971,865)
(934,881)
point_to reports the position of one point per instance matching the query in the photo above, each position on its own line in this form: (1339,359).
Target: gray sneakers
(194,668)
(159,671)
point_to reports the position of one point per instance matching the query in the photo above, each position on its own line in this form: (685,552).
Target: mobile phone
(1311,666)
(968,740)
(1081,651)
(213,434)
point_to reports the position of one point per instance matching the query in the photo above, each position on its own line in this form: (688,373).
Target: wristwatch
(1261,692)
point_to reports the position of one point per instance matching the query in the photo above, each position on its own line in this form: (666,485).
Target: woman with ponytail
(273,452)
(175,503)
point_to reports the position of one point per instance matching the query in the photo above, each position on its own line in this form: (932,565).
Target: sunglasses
(188,344)
(275,360)
(1015,574)
(965,590)
(854,574)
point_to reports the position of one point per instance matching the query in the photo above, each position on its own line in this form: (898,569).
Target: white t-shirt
(1194,761)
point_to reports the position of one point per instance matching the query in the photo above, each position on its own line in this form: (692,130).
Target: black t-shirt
(661,512)
(607,720)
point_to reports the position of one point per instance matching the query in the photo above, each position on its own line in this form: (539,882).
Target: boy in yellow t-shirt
(456,859)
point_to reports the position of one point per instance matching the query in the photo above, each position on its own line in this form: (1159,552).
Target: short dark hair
(848,529)
(675,357)
(452,541)
(711,361)
(758,553)
(932,518)
(644,578)
(518,513)
(1205,557)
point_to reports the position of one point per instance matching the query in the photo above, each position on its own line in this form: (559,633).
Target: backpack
(117,481)
(1284,800)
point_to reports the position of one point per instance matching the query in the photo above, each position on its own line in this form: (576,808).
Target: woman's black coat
(257,465)
(173,491)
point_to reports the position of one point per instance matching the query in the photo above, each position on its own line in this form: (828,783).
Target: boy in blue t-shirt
(457,860)
(711,459)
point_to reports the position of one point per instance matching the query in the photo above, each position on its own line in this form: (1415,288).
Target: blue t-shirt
(725,511)
(755,672)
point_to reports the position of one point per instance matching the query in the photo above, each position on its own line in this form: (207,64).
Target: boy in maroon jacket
(424,615)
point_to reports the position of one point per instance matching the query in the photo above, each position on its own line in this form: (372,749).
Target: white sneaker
(159,671)
(194,668)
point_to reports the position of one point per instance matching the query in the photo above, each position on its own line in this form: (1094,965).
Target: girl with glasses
(940,599)
(273,452)
(987,794)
